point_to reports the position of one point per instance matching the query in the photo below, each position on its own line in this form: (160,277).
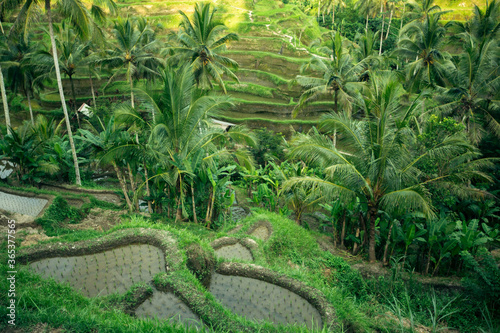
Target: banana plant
(469,237)
(446,250)
(219,179)
(438,231)
(408,233)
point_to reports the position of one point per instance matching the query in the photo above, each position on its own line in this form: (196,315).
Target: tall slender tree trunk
(372,217)
(366,27)
(342,233)
(92,89)
(195,219)
(131,90)
(4,100)
(389,26)
(333,15)
(148,191)
(123,185)
(132,185)
(402,16)
(30,108)
(382,32)
(386,250)
(178,213)
(75,107)
(61,92)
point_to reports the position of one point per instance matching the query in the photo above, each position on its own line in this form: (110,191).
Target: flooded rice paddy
(235,251)
(259,300)
(22,205)
(165,306)
(99,274)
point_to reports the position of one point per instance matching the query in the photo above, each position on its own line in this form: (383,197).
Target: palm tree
(81,20)
(104,140)
(330,5)
(72,58)
(179,138)
(201,44)
(23,73)
(423,8)
(340,77)
(375,163)
(133,51)
(471,97)
(422,44)
(368,8)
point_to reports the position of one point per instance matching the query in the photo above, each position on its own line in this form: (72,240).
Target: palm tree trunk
(402,16)
(92,89)
(386,250)
(195,219)
(132,184)
(381,35)
(336,101)
(148,191)
(372,217)
(389,27)
(342,233)
(207,216)
(30,108)
(4,100)
(123,185)
(356,247)
(131,90)
(366,27)
(75,108)
(333,15)
(61,92)
(178,214)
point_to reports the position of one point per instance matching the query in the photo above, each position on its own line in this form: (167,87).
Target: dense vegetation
(401,168)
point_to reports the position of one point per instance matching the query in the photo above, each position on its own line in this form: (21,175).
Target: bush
(58,214)
(483,280)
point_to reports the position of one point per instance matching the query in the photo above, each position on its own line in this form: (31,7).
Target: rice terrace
(250,166)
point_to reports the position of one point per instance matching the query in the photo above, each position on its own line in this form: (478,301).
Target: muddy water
(235,251)
(259,300)
(113,271)
(164,306)
(22,205)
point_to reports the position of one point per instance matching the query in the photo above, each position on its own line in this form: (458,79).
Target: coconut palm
(422,44)
(340,77)
(421,9)
(23,73)
(178,139)
(373,161)
(201,44)
(134,51)
(328,6)
(81,21)
(368,8)
(474,85)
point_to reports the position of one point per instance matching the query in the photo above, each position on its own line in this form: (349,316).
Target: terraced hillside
(273,45)
(270,53)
